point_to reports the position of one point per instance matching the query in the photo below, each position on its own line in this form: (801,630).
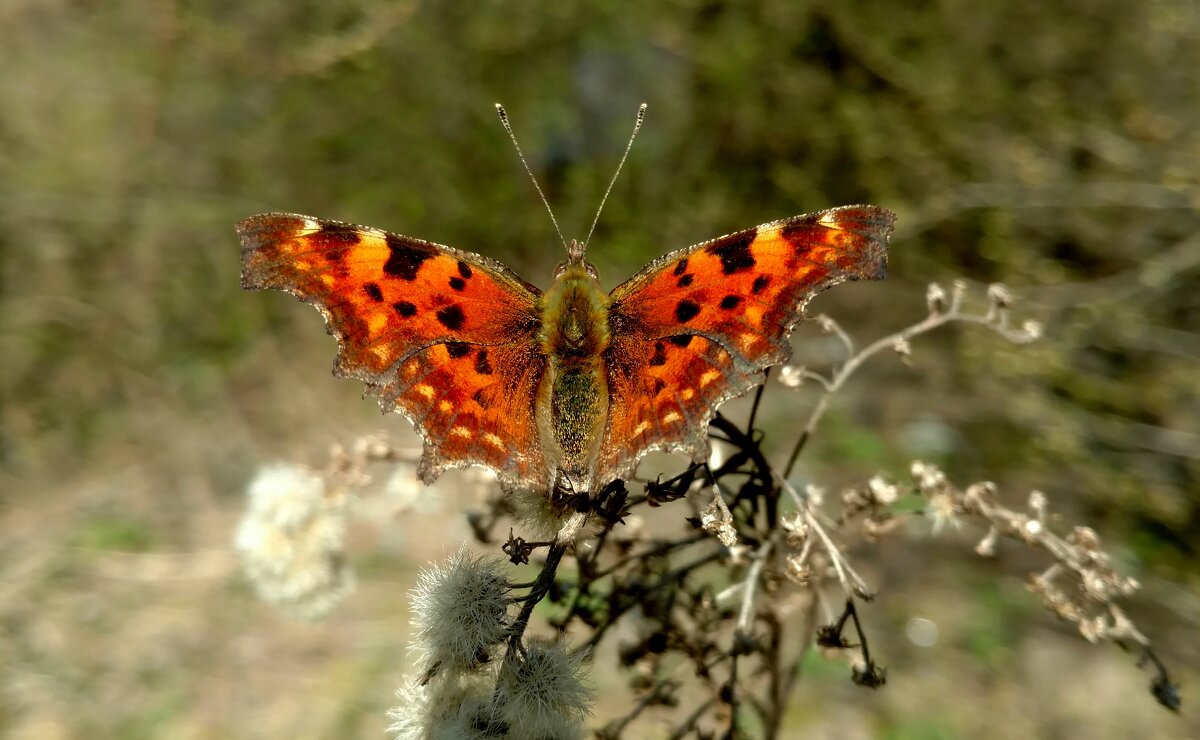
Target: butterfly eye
(562,268)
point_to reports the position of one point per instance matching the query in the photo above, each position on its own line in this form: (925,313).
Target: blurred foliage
(1055,147)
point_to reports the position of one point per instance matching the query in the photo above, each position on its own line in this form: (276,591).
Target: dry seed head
(791,375)
(935,299)
(292,541)
(445,710)
(883,492)
(999,296)
(460,612)
(542,694)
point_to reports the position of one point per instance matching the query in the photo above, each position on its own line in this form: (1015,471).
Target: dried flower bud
(1095,586)
(791,521)
(943,511)
(1031,529)
(716,519)
(882,492)
(814,494)
(999,296)
(792,375)
(855,500)
(798,571)
(1094,629)
(1129,585)
(1085,537)
(902,347)
(930,478)
(1037,504)
(739,554)
(292,541)
(935,299)
(979,495)
(987,546)
(1033,329)
(826,323)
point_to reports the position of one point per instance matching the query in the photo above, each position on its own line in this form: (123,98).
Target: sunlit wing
(698,326)
(446,337)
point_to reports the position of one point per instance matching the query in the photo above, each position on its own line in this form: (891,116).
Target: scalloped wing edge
(429,469)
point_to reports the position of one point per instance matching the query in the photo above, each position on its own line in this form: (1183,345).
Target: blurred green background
(1051,146)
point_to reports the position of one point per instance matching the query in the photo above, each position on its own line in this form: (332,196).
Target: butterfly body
(571,387)
(573,399)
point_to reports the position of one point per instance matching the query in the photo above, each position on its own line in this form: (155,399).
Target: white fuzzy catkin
(542,695)
(291,540)
(445,709)
(460,613)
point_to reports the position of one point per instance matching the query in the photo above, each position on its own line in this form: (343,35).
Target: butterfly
(571,387)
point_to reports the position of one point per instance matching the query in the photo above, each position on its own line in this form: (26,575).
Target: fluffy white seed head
(460,612)
(542,695)
(292,541)
(447,709)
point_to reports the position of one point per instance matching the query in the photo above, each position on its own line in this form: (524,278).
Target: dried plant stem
(750,585)
(996,319)
(541,586)
(852,582)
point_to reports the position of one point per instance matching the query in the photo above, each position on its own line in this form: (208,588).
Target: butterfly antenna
(641,116)
(507,127)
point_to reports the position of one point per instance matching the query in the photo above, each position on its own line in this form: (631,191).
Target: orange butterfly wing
(446,337)
(698,326)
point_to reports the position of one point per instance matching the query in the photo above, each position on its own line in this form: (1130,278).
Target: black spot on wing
(405,309)
(482,366)
(340,233)
(464,269)
(406,257)
(451,317)
(734,252)
(760,284)
(458,349)
(660,355)
(457,283)
(684,281)
(680,340)
(730,302)
(373,292)
(686,310)
(659,385)
(334,240)
(680,267)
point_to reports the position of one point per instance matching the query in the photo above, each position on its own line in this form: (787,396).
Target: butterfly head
(575,252)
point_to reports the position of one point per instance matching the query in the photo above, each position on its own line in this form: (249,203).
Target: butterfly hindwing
(705,321)
(447,337)
(663,393)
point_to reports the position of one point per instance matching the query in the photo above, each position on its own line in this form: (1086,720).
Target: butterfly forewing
(447,337)
(698,326)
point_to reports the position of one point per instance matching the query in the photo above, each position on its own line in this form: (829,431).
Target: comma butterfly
(573,386)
